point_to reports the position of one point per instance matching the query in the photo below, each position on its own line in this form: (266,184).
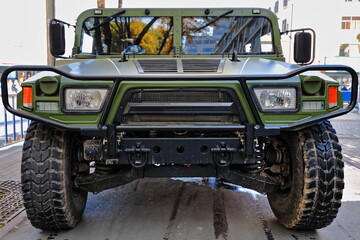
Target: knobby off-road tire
(314,196)
(50,198)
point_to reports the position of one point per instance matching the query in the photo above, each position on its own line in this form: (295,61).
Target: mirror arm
(65,23)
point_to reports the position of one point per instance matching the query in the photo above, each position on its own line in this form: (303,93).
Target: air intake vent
(179,66)
(163,65)
(201,65)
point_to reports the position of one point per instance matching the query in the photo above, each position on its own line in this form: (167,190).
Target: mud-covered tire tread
(43,170)
(323,178)
(324,181)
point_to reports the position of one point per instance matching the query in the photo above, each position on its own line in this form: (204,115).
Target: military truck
(181,93)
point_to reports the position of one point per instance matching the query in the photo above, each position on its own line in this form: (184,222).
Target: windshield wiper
(106,20)
(214,20)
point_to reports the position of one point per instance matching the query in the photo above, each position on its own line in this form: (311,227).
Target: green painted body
(110,65)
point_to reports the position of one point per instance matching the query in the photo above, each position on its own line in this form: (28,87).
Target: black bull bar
(254,130)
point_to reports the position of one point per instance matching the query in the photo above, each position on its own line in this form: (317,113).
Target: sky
(23,22)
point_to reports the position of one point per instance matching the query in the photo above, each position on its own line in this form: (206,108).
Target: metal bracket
(249,140)
(222,154)
(138,155)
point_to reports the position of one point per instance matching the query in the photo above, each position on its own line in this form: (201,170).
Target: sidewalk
(10,190)
(10,161)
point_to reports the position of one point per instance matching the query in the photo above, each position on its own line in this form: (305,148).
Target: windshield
(134,35)
(216,35)
(212,35)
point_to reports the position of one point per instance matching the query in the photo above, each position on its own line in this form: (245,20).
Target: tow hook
(138,155)
(223,154)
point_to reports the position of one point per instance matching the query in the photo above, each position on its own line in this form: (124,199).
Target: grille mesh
(176,97)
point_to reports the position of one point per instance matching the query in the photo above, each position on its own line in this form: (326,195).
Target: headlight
(276,99)
(81,99)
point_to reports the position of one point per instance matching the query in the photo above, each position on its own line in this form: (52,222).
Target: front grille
(180,107)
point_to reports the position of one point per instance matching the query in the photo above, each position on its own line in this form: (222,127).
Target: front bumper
(258,128)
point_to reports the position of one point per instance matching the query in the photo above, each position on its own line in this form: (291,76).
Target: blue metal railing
(12,128)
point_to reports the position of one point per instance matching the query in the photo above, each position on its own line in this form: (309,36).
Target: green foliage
(154,37)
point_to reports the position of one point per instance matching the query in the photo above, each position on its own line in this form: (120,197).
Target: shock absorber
(259,156)
(106,169)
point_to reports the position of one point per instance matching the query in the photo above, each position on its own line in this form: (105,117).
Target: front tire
(50,198)
(314,193)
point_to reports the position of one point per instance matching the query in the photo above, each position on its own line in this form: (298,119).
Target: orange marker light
(332,96)
(27,97)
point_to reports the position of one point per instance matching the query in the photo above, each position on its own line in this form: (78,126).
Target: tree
(101,3)
(144,31)
(120,3)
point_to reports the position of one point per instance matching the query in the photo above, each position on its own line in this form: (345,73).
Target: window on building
(284,25)
(276,8)
(285,3)
(350,23)
(345,22)
(349,50)
(344,50)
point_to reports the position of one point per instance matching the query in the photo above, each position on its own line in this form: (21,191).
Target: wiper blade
(215,20)
(107,20)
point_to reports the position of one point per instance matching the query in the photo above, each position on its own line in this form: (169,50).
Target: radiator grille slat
(180,119)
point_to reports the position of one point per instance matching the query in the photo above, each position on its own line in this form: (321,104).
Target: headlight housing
(276,99)
(84,99)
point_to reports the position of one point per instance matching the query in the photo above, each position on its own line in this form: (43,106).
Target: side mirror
(57,38)
(303,47)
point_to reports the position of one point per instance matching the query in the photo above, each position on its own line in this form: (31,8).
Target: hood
(187,66)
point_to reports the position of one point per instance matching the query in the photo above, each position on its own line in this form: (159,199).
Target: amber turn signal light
(27,97)
(332,97)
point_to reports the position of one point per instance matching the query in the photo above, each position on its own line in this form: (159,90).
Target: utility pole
(120,3)
(50,14)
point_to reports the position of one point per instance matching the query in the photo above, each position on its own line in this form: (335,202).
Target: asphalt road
(193,208)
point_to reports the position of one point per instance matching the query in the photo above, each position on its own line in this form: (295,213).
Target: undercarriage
(233,157)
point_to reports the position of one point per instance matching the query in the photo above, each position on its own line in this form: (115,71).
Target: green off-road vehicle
(181,93)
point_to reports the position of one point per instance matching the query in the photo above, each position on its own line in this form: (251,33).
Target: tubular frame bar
(172,77)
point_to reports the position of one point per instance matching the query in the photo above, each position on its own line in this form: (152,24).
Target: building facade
(336,23)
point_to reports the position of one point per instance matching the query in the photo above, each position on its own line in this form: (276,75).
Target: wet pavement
(194,208)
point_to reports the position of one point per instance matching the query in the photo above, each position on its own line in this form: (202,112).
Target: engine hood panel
(196,66)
